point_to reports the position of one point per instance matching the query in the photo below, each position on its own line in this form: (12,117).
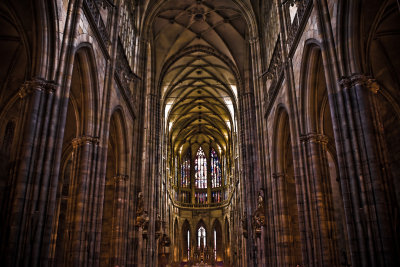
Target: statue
(260,201)
(258,219)
(140,204)
(142,220)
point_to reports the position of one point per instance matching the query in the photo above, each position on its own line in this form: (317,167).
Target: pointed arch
(118,128)
(201,235)
(84,89)
(318,124)
(286,197)
(308,79)
(81,122)
(281,132)
(116,170)
(186,241)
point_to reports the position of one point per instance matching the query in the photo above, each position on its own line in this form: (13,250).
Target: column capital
(360,80)
(86,139)
(37,84)
(314,138)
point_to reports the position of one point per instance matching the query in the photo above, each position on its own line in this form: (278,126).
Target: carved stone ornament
(142,219)
(360,80)
(158,226)
(36,84)
(258,218)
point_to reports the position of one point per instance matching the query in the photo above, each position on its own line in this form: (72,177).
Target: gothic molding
(275,74)
(296,28)
(360,80)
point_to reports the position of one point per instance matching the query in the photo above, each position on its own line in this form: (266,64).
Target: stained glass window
(216,197)
(215,169)
(185,171)
(201,237)
(185,197)
(200,197)
(200,169)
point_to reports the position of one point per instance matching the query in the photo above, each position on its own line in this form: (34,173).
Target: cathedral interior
(200,133)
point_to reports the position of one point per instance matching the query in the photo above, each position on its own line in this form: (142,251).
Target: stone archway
(286,190)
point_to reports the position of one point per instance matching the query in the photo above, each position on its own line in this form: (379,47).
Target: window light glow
(292,11)
(201,169)
(167,108)
(234,89)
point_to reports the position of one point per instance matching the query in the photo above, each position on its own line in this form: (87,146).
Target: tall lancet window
(215,244)
(200,169)
(185,171)
(215,169)
(201,237)
(188,244)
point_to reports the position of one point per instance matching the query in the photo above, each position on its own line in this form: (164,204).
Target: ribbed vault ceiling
(199,52)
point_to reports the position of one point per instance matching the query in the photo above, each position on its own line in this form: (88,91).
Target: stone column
(25,217)
(192,177)
(248,137)
(319,200)
(119,237)
(209,182)
(373,244)
(280,220)
(79,237)
(151,182)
